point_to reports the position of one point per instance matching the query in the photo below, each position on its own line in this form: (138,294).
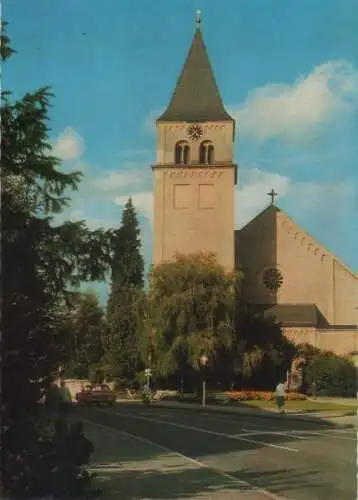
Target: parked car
(96,395)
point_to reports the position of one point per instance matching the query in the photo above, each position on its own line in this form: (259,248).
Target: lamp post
(203,361)
(148,372)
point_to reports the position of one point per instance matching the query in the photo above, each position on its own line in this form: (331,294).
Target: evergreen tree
(41,261)
(128,264)
(125,303)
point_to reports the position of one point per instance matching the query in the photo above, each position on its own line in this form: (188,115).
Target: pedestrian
(280,396)
(65,397)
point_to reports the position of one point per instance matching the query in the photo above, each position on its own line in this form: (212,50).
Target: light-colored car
(96,395)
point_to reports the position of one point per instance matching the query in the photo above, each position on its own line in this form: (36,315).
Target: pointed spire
(196,96)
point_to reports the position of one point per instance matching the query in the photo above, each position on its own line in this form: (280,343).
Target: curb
(304,418)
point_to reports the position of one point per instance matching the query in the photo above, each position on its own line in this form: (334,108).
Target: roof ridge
(325,249)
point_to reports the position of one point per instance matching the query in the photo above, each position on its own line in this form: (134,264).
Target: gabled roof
(196,96)
(275,209)
(267,210)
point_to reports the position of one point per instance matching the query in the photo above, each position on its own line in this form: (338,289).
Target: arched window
(182,152)
(206,153)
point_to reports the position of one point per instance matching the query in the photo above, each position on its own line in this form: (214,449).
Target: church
(288,275)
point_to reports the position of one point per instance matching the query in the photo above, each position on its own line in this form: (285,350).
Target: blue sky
(288,72)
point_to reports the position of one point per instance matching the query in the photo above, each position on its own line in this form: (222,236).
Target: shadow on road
(130,468)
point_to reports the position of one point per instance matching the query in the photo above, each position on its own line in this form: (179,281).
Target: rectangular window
(207,195)
(182,196)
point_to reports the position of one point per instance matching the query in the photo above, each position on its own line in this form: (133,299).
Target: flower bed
(247,395)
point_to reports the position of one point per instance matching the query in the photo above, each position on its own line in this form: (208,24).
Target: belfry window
(182,153)
(206,153)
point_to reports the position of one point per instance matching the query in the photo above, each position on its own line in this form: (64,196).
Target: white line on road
(249,432)
(329,432)
(202,465)
(205,431)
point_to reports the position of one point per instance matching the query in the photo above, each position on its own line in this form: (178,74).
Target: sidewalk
(129,467)
(339,417)
(338,401)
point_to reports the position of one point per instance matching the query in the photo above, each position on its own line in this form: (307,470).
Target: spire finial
(198,18)
(272,194)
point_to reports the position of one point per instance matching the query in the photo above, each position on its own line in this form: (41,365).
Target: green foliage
(43,261)
(5,49)
(54,463)
(127,264)
(334,375)
(125,309)
(261,353)
(87,325)
(191,306)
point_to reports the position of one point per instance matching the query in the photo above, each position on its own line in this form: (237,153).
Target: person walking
(280,394)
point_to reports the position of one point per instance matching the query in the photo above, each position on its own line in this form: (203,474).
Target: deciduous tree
(191,308)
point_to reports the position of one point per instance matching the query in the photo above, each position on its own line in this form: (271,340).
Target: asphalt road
(280,458)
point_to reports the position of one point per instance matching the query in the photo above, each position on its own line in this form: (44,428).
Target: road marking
(202,465)
(205,431)
(248,432)
(328,432)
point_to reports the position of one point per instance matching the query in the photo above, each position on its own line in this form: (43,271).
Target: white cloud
(118,179)
(149,125)
(143,202)
(69,145)
(252,197)
(296,111)
(92,222)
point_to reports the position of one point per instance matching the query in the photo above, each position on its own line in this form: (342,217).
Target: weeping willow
(191,307)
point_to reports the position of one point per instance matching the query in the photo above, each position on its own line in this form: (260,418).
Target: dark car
(96,395)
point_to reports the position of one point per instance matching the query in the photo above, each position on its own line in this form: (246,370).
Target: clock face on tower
(194,132)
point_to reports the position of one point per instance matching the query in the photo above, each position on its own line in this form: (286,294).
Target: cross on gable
(272,194)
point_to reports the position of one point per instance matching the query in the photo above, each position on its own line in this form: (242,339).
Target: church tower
(194,174)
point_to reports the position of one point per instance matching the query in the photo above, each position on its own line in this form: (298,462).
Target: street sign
(147,372)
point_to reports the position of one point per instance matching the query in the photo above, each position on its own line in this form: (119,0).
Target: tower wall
(193,212)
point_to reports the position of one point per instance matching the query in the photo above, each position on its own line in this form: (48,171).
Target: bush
(52,465)
(334,375)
